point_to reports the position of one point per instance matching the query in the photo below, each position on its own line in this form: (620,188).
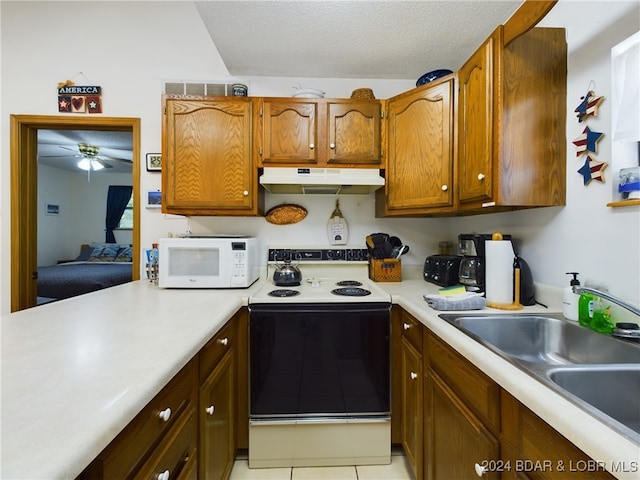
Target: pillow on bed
(85,253)
(104,254)
(124,255)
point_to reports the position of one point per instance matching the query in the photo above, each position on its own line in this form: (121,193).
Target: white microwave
(207,262)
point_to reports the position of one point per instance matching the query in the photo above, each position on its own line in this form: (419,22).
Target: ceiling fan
(90,158)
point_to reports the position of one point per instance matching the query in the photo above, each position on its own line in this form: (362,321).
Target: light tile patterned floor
(397,470)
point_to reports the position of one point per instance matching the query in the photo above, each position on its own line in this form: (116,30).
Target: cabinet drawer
(177,449)
(214,350)
(144,432)
(477,390)
(412,330)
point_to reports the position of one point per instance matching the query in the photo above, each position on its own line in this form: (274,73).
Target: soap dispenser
(570,299)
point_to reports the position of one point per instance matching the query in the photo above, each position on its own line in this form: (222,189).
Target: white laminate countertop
(76,372)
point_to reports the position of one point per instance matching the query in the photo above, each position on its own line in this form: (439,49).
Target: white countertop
(76,372)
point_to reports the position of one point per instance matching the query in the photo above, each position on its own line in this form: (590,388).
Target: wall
(82,211)
(131,47)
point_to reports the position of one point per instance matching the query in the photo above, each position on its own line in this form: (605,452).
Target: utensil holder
(385,269)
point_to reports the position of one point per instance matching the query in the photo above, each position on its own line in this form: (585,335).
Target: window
(126,222)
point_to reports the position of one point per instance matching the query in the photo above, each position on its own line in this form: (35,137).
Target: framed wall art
(154,162)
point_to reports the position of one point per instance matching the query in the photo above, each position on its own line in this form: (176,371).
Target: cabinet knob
(164,475)
(165,414)
(480,470)
(210,409)
(245,193)
(413,375)
(444,188)
(311,146)
(406,326)
(481,176)
(332,146)
(224,341)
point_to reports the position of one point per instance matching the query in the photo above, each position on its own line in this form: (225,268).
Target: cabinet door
(207,164)
(289,132)
(476,124)
(411,382)
(457,440)
(216,448)
(353,133)
(421,151)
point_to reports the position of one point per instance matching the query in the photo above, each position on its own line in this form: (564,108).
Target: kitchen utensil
(287,274)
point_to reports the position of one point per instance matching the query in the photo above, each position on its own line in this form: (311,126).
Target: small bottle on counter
(585,309)
(602,321)
(570,300)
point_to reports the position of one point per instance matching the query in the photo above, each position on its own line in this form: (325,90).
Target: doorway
(24,194)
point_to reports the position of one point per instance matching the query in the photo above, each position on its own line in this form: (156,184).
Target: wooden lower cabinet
(467,423)
(216,410)
(538,452)
(189,429)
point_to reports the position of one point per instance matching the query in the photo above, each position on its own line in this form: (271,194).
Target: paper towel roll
(499,257)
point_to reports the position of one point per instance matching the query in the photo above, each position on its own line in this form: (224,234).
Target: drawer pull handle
(332,146)
(163,476)
(245,193)
(480,470)
(414,375)
(444,188)
(224,341)
(312,146)
(481,176)
(165,414)
(210,409)
(406,326)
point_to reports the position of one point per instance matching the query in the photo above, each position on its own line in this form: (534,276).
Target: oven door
(312,361)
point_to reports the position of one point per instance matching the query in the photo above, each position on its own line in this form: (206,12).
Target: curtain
(117,200)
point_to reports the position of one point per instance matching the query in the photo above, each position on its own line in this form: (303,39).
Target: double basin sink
(598,373)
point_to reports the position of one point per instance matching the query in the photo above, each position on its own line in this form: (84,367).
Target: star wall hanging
(587,141)
(592,170)
(588,106)
(74,98)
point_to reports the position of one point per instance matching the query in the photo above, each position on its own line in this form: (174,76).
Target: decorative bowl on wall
(431,76)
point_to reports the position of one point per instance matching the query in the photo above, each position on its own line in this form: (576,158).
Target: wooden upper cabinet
(475,127)
(421,151)
(354,130)
(512,123)
(289,130)
(207,165)
(318,132)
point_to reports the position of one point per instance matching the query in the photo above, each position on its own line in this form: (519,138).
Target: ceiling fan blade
(104,164)
(75,150)
(114,159)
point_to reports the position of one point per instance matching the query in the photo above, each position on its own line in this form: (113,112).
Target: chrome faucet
(578,289)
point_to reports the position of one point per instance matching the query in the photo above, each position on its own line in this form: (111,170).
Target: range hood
(321,180)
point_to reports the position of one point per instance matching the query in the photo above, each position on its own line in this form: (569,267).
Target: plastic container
(585,309)
(570,300)
(601,321)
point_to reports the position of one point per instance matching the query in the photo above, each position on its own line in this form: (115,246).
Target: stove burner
(351,292)
(349,283)
(283,292)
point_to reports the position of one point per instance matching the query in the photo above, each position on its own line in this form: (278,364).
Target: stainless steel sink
(613,390)
(545,339)
(598,373)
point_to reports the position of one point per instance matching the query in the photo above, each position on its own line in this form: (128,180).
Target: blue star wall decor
(587,141)
(592,170)
(588,106)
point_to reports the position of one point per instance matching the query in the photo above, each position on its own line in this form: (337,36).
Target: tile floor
(397,470)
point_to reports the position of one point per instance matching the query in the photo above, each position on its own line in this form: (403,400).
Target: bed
(98,266)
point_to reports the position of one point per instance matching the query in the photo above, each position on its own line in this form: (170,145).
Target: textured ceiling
(59,148)
(350,39)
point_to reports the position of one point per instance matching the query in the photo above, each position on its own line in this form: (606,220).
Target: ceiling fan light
(86,164)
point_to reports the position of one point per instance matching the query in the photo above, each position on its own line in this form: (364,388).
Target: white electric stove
(320,363)
(329,275)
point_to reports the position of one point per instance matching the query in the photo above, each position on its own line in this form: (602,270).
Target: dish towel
(464,301)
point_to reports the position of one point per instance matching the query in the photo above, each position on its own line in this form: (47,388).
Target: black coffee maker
(472,266)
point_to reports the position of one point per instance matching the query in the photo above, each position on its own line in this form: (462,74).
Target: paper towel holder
(515,305)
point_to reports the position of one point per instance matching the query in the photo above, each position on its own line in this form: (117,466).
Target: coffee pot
(473,264)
